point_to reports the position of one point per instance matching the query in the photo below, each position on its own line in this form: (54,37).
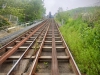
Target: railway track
(40,51)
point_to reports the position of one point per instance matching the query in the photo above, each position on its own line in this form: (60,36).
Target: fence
(13,19)
(14,26)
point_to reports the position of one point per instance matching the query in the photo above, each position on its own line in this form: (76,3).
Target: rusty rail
(24,53)
(3,47)
(55,70)
(34,64)
(11,51)
(52,49)
(72,61)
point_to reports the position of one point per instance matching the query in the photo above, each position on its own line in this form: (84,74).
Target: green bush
(4,21)
(84,43)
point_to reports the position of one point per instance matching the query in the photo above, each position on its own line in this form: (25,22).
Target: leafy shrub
(84,42)
(4,21)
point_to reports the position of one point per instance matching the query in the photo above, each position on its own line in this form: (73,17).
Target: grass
(84,43)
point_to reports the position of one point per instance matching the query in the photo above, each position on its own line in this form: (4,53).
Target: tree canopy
(25,10)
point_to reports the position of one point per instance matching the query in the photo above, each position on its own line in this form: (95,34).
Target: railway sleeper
(11,58)
(44,67)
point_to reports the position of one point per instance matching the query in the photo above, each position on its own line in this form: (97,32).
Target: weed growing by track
(83,39)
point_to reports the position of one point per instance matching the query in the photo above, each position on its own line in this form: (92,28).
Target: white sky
(53,5)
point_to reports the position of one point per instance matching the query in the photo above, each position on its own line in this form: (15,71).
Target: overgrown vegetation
(82,34)
(25,10)
(46,64)
(4,21)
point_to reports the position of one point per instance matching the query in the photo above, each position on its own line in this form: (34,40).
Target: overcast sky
(53,5)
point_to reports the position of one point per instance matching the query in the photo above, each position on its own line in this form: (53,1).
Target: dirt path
(4,33)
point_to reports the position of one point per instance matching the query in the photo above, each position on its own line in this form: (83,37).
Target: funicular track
(40,51)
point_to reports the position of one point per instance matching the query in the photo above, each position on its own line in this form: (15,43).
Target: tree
(26,10)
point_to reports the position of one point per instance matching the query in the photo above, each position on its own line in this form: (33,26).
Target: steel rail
(34,64)
(55,70)
(18,37)
(11,42)
(72,61)
(32,54)
(11,51)
(52,35)
(24,53)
